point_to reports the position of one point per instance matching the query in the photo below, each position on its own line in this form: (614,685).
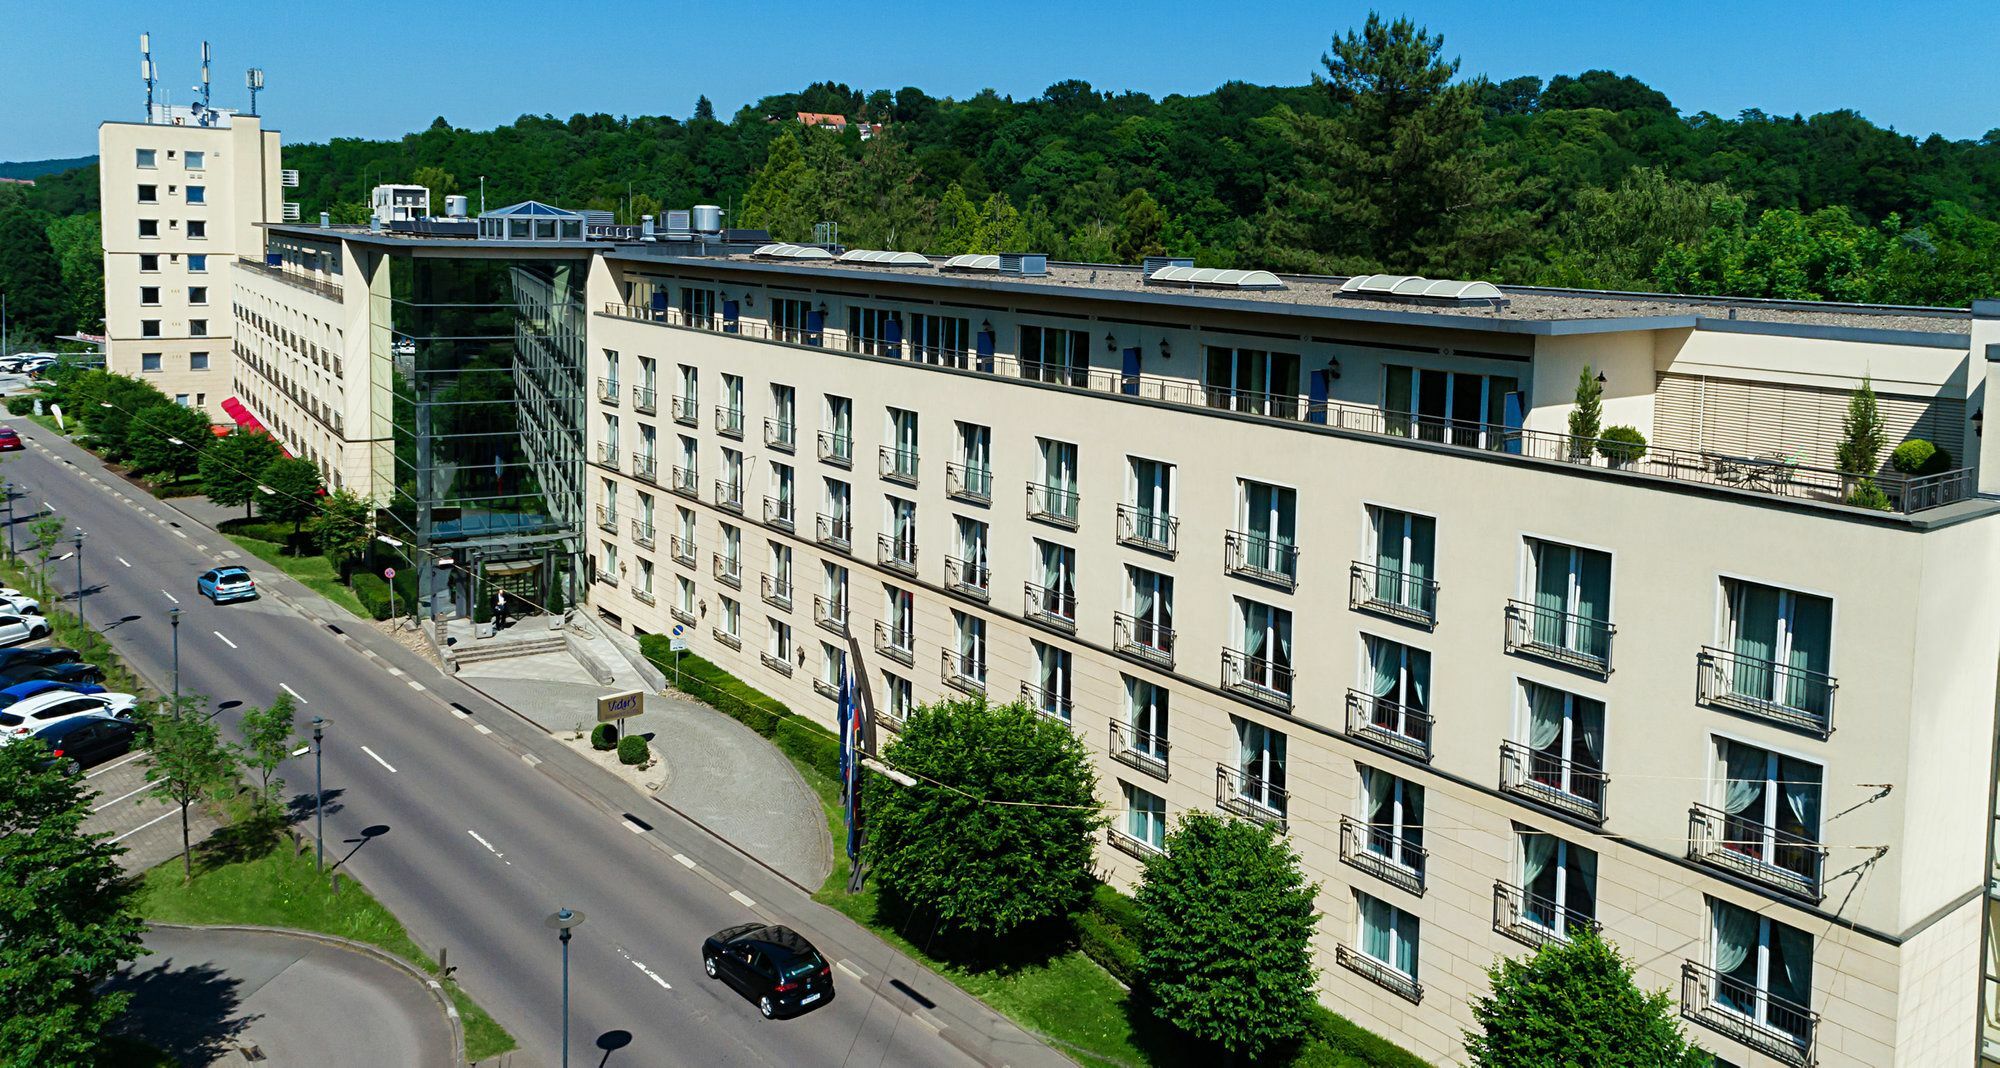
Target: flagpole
(849,767)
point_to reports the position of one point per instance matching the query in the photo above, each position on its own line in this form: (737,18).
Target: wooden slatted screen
(1743,418)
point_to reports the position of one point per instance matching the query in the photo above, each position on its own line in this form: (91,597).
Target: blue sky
(66,66)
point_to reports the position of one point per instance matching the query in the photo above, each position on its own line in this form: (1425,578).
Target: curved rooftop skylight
(783,251)
(883,258)
(1215,277)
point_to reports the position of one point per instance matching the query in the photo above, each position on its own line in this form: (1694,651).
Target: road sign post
(679,645)
(389,574)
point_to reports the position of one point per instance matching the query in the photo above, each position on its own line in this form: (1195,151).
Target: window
(197,294)
(181,399)
(1265,544)
(898,698)
(1388,934)
(1393,808)
(1148,515)
(1564,751)
(784,415)
(1448,406)
(781,641)
(197,327)
(147,157)
(731,490)
(1149,597)
(149,263)
(833,665)
(900,456)
(1146,713)
(779,508)
(684,526)
(1768,806)
(1777,652)
(839,515)
(874,331)
(149,228)
(837,437)
(781,572)
(1253,380)
(197,230)
(1260,765)
(684,594)
(149,296)
(732,404)
(649,377)
(1054,495)
(197,263)
(901,609)
(732,618)
(901,547)
(939,339)
(1053,593)
(1398,580)
(1052,354)
(970,565)
(611,374)
(1569,618)
(197,361)
(972,475)
(607,449)
(645,576)
(698,307)
(1262,659)
(732,548)
(1558,883)
(197,194)
(1145,816)
(1764,970)
(970,662)
(149,194)
(833,587)
(149,361)
(687,407)
(195,161)
(1395,704)
(611,568)
(791,320)
(1050,693)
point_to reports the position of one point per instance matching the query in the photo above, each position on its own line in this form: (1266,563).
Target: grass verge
(315,572)
(247,873)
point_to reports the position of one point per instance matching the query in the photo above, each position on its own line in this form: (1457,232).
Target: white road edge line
(744,898)
(171,597)
(225,640)
(379,760)
(531,760)
(124,561)
(850,969)
(482,728)
(684,862)
(415,685)
(129,757)
(294,693)
(489,845)
(142,826)
(650,974)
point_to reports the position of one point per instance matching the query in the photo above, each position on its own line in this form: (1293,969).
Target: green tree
(1862,437)
(1576,1002)
(189,761)
(1226,922)
(294,484)
(29,275)
(78,244)
(772,202)
(1141,226)
(167,439)
(107,403)
(231,467)
(268,735)
(343,527)
(44,534)
(996,837)
(703,110)
(1586,419)
(66,918)
(442,183)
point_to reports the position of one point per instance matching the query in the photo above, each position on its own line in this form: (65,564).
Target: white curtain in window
(1382,654)
(1537,851)
(1735,937)
(1545,716)
(1744,769)
(1589,722)
(1801,790)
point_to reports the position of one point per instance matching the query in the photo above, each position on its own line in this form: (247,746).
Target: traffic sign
(678,645)
(678,629)
(388,572)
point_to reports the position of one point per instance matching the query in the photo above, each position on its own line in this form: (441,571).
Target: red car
(9,440)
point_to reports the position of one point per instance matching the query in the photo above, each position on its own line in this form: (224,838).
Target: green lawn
(317,572)
(242,876)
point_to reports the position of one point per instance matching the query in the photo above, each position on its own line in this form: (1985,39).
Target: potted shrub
(1586,416)
(632,750)
(1917,457)
(604,737)
(1620,445)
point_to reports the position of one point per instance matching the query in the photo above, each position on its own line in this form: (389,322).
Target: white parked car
(28,715)
(19,603)
(16,628)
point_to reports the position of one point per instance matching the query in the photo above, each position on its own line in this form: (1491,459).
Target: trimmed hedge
(21,404)
(1347,1042)
(604,737)
(373,593)
(809,744)
(801,739)
(632,749)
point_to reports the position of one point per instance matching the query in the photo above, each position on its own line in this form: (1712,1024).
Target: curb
(436,990)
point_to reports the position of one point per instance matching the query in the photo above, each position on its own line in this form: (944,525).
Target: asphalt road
(473,827)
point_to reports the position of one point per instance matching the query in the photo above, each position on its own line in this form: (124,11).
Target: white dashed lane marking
(225,640)
(379,760)
(124,561)
(294,693)
(415,685)
(683,861)
(744,898)
(482,728)
(531,760)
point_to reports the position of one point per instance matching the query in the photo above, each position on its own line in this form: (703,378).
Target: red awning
(235,410)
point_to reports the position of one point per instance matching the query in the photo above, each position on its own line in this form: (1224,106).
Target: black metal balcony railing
(607,518)
(780,434)
(728,570)
(729,495)
(898,643)
(1777,1027)
(1536,920)
(968,577)
(1564,785)
(1396,594)
(1380,974)
(1388,724)
(1046,701)
(837,449)
(1145,639)
(1152,531)
(645,466)
(1251,555)
(1747,847)
(729,421)
(777,592)
(1053,504)
(962,672)
(642,533)
(1380,851)
(896,553)
(1141,749)
(1791,696)
(645,400)
(1249,796)
(830,613)
(779,512)
(687,411)
(1560,637)
(607,454)
(836,531)
(1257,677)
(607,390)
(686,481)
(681,549)
(1054,606)
(967,483)
(1129,844)
(898,465)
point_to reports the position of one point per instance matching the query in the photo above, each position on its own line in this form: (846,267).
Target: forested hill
(1388,160)
(35,168)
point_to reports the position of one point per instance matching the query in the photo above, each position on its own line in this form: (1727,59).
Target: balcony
(1129,845)
(1788,696)
(896,643)
(607,519)
(1559,637)
(686,481)
(1139,749)
(728,570)
(962,672)
(836,449)
(1396,594)
(898,465)
(1553,782)
(777,592)
(779,512)
(780,434)
(1257,678)
(1046,701)
(686,411)
(830,613)
(729,421)
(607,454)
(1380,974)
(1381,852)
(1780,1029)
(828,690)
(1249,796)
(967,578)
(1258,557)
(1142,639)
(1750,849)
(1533,920)
(607,390)
(645,400)
(973,485)
(1051,607)
(682,615)
(725,639)
(896,554)
(778,664)
(834,531)
(729,496)
(681,549)
(1154,532)
(644,466)
(644,597)
(1385,724)
(642,534)
(1053,505)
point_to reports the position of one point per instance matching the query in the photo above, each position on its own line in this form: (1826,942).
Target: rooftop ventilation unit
(971,262)
(1418,290)
(882,258)
(1213,278)
(680,223)
(791,252)
(1154,263)
(1032,264)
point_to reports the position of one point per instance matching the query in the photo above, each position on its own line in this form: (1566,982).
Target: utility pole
(319,790)
(7,488)
(174,618)
(78,539)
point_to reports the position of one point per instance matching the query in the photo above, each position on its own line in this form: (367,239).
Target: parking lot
(149,829)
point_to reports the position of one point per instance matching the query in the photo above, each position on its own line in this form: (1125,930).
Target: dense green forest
(1388,159)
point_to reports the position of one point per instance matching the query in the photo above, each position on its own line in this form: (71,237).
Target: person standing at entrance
(499,610)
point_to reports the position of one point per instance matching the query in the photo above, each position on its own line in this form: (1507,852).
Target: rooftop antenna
(254,78)
(146,71)
(204,76)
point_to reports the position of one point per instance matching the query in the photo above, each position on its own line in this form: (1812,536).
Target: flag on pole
(849,758)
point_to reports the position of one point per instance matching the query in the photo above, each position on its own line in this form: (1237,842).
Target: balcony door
(1254,380)
(1405,552)
(1559,884)
(1394,808)
(1771,808)
(1566,736)
(1781,640)
(1265,640)
(1572,608)
(1399,679)
(1146,712)
(1150,488)
(1765,969)
(1269,520)
(1152,608)
(1260,762)
(1448,406)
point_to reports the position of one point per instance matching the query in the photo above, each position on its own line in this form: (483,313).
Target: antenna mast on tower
(254,78)
(204,76)
(146,70)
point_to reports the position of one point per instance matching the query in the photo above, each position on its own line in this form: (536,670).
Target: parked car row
(49,696)
(28,363)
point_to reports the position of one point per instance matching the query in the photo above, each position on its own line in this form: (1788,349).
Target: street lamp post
(562,921)
(8,489)
(174,618)
(79,576)
(319,791)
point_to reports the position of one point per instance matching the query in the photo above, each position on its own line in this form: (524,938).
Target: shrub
(1105,933)
(1343,1036)
(373,593)
(21,404)
(1621,445)
(1576,1002)
(808,744)
(604,737)
(632,749)
(1919,457)
(1866,494)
